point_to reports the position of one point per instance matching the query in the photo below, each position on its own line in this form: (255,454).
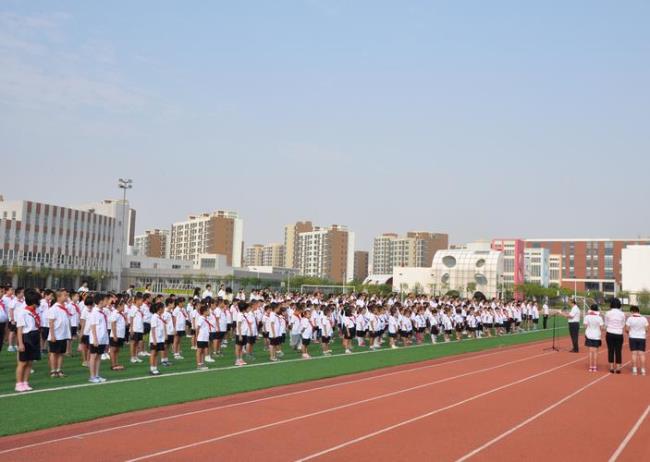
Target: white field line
(217,369)
(332,409)
(258,400)
(629,436)
(433,412)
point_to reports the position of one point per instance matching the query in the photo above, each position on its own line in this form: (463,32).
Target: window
(134,264)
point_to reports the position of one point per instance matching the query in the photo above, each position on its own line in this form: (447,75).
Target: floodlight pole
(123,184)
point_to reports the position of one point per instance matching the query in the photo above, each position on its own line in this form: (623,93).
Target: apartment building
(291,233)
(588,264)
(153,243)
(416,249)
(273,255)
(254,255)
(361,260)
(219,232)
(326,253)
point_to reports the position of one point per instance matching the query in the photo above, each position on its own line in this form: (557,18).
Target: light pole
(124,185)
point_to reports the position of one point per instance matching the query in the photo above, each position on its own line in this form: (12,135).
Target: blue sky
(480,119)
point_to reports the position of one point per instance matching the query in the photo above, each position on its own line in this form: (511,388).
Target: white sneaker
(105,356)
(178,357)
(193,348)
(202,367)
(305,356)
(634,371)
(11,349)
(642,371)
(209,359)
(348,352)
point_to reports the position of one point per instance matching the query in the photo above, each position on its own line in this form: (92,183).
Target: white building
(467,272)
(415,249)
(635,264)
(536,266)
(219,232)
(414,280)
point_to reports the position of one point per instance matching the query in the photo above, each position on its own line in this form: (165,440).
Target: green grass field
(133,389)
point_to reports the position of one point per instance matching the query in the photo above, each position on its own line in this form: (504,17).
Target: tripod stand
(553,346)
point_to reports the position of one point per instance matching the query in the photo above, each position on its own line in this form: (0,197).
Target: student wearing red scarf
(29,342)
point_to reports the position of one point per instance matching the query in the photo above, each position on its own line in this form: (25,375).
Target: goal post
(326,289)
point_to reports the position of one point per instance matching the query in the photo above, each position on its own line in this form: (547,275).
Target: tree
(471,288)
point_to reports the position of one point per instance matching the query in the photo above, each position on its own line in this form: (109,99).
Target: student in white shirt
(180,318)
(58,319)
(545,313)
(207,293)
(170,331)
(326,331)
(98,338)
(4,317)
(593,326)
(28,337)
(157,337)
(242,331)
(615,324)
(306,331)
(202,327)
(637,328)
(75,312)
(136,328)
(574,325)
(9,301)
(118,322)
(221,325)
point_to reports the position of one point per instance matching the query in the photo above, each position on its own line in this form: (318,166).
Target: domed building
(469,272)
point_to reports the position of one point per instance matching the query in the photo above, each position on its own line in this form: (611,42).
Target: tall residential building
(273,255)
(219,232)
(416,249)
(588,264)
(361,261)
(555,270)
(291,233)
(326,253)
(254,255)
(85,239)
(153,243)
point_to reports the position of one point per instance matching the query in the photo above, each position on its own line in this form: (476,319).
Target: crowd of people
(154,327)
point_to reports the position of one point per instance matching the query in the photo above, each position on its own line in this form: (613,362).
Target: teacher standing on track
(574,325)
(615,323)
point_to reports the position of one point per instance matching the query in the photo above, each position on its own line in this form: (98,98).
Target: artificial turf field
(73,399)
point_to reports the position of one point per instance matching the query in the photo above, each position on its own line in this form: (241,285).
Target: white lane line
(332,409)
(434,412)
(630,435)
(226,368)
(530,419)
(267,398)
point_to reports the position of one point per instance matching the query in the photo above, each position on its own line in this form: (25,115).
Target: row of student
(615,323)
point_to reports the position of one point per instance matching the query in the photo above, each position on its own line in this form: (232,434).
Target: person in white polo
(637,328)
(615,323)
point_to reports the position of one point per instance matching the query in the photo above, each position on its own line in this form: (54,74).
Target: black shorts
(420,330)
(13,328)
(136,336)
(459,328)
(85,340)
(448,331)
(212,336)
(231,326)
(97,350)
(488,325)
(306,341)
(283,338)
(73,331)
(157,346)
(45,333)
(637,344)
(201,344)
(32,344)
(180,333)
(192,332)
(361,333)
(169,340)
(536,321)
(373,334)
(147,327)
(390,335)
(265,334)
(60,346)
(325,339)
(241,340)
(119,343)
(275,341)
(590,343)
(220,335)
(349,333)
(435,330)
(251,339)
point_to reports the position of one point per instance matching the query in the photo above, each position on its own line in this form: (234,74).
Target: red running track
(514,403)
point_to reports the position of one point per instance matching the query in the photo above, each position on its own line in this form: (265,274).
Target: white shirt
(207,293)
(181,318)
(26,320)
(98,319)
(136,317)
(157,329)
(242,325)
(574,314)
(306,328)
(593,324)
(638,326)
(202,329)
(615,321)
(61,318)
(4,312)
(120,323)
(545,309)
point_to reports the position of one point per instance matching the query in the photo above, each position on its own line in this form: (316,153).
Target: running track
(518,403)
